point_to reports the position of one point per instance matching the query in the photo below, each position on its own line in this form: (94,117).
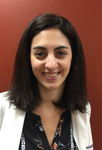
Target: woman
(47,106)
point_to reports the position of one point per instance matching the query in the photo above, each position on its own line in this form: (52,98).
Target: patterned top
(34,137)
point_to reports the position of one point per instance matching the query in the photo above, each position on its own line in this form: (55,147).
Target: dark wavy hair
(24,92)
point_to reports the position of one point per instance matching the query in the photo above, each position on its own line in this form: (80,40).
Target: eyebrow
(44,48)
(40,47)
(61,47)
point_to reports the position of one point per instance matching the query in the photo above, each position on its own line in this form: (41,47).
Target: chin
(52,87)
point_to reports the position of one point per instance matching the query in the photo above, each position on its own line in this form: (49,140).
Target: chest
(34,131)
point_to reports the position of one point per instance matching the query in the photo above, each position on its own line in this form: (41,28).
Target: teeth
(51,75)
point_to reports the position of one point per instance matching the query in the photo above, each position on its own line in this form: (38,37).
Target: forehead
(50,36)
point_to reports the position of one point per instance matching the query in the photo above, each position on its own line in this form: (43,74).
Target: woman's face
(50,57)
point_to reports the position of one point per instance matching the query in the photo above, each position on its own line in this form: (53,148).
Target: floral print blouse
(34,137)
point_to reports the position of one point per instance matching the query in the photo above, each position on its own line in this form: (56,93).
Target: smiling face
(50,57)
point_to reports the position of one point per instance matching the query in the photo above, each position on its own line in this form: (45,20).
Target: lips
(51,75)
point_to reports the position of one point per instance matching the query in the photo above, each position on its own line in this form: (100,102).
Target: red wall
(86,16)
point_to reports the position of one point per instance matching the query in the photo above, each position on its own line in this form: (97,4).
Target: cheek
(36,66)
(67,65)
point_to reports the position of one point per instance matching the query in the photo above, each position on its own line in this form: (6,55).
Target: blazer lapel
(82,130)
(79,131)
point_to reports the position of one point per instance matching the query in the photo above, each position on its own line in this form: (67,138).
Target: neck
(50,95)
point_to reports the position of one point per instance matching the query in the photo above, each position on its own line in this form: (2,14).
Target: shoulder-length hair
(24,92)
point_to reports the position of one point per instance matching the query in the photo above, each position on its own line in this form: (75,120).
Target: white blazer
(12,120)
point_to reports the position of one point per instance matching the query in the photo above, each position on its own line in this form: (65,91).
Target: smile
(50,75)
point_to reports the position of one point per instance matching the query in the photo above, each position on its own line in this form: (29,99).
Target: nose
(51,63)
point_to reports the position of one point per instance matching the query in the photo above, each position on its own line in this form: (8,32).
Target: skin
(51,57)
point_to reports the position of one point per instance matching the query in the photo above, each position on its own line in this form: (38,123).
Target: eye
(40,55)
(61,54)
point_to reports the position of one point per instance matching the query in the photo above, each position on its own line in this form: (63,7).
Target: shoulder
(4,105)
(3,97)
(3,94)
(8,109)
(4,100)
(88,108)
(87,112)
(82,118)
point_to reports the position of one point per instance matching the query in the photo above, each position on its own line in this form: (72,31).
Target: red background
(86,16)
